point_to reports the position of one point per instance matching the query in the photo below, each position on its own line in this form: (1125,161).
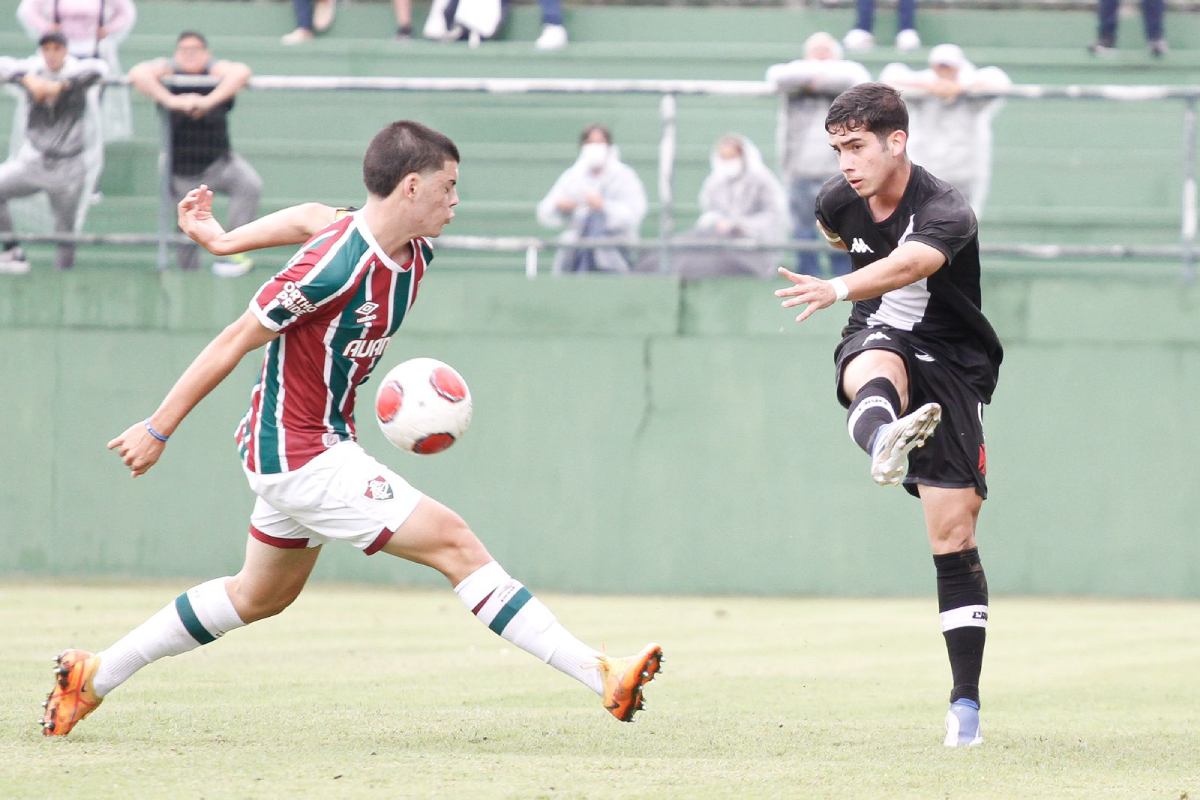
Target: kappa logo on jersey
(378,489)
(875,336)
(366,348)
(859,246)
(924,356)
(366,313)
(291,298)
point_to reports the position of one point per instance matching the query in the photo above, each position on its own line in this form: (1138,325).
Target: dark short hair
(54,37)
(400,149)
(873,107)
(590,129)
(192,35)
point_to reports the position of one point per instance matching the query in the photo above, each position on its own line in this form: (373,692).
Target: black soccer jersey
(944,308)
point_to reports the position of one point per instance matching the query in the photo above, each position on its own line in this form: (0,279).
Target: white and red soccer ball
(423,406)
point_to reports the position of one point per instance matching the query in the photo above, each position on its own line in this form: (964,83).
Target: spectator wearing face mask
(598,196)
(740,199)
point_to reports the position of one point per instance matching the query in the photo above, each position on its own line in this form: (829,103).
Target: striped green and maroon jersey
(337,303)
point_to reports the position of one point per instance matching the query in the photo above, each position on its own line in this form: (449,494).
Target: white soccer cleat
(859,40)
(907,40)
(897,439)
(962,724)
(554,37)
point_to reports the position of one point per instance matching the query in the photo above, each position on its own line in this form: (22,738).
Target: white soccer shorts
(341,495)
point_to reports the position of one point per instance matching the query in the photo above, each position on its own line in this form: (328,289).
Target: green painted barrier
(630,435)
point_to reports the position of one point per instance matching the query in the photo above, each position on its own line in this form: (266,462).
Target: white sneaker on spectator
(907,40)
(13,262)
(323,13)
(298,36)
(233,266)
(554,37)
(858,39)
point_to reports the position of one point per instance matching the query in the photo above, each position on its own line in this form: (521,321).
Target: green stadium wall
(630,435)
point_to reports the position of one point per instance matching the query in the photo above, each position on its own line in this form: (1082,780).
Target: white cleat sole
(900,438)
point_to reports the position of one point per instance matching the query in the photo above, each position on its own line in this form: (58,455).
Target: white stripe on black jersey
(944,308)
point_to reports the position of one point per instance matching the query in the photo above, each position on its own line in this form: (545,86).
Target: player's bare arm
(292,225)
(137,446)
(908,263)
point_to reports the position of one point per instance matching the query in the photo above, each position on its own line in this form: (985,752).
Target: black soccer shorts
(955,456)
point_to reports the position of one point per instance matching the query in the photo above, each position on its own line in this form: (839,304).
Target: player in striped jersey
(325,320)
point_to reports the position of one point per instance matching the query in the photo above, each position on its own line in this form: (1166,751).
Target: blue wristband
(155,433)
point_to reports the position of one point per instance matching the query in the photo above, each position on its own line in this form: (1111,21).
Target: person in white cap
(951,117)
(809,85)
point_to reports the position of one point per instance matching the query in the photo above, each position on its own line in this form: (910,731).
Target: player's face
(865,161)
(436,197)
(191,54)
(55,55)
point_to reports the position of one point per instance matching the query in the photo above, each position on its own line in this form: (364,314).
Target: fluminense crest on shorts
(379,489)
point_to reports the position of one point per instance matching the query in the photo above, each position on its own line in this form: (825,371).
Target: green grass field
(359,692)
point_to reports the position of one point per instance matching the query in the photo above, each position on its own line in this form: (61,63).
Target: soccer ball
(423,405)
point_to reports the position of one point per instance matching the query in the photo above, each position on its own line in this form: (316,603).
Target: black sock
(962,601)
(876,404)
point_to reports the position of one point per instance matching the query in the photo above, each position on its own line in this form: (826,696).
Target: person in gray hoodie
(740,199)
(809,85)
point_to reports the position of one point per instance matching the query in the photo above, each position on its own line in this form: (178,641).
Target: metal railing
(669,90)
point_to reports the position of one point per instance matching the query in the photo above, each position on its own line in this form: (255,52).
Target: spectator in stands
(1152,21)
(862,37)
(94,29)
(554,33)
(740,199)
(810,84)
(475,20)
(597,196)
(52,156)
(200,148)
(316,16)
(950,126)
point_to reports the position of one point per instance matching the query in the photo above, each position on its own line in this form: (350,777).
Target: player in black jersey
(917,360)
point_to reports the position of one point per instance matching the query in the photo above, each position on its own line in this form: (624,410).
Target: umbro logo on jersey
(859,246)
(378,489)
(875,336)
(924,356)
(366,313)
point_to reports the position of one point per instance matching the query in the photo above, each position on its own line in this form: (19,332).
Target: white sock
(198,616)
(508,608)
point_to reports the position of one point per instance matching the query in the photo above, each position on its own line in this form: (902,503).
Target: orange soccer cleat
(73,697)
(624,679)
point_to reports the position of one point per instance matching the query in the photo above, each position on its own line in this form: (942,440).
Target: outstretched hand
(137,448)
(195,217)
(813,293)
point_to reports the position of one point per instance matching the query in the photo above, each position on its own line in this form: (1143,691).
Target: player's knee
(253,603)
(954,535)
(459,551)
